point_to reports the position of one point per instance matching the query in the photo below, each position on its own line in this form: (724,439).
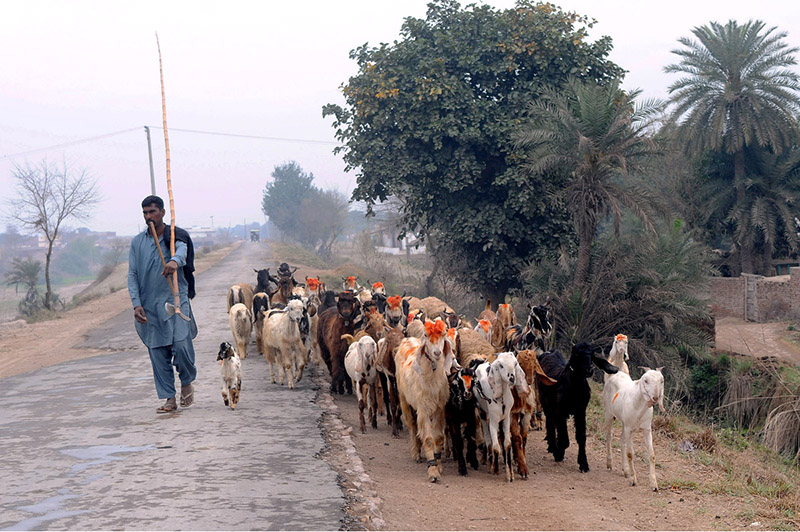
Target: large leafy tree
(738,90)
(592,134)
(284,193)
(428,119)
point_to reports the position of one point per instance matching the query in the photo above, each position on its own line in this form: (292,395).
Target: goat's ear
(644,368)
(521,380)
(603,364)
(660,369)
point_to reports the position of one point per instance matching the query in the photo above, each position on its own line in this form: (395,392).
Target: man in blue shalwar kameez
(168,337)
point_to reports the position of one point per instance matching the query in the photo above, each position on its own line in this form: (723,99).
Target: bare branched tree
(46,196)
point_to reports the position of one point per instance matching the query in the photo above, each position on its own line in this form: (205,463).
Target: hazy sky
(83,69)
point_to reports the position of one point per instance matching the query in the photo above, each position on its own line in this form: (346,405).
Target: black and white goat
(460,417)
(569,396)
(231,373)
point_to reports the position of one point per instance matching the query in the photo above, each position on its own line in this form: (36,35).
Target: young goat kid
(231,372)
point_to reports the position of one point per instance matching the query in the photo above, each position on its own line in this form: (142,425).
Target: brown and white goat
(240,293)
(423,365)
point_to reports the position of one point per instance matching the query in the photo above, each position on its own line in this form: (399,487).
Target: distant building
(203,236)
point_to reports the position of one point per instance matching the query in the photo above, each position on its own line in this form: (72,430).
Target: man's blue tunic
(148,288)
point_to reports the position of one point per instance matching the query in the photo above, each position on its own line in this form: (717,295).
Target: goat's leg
(517,445)
(429,447)
(609,427)
(561,438)
(397,419)
(493,430)
(360,395)
(457,444)
(380,394)
(505,424)
(627,438)
(580,437)
(486,437)
(302,360)
(234,391)
(550,435)
(372,395)
(225,393)
(648,440)
(470,433)
(411,422)
(386,397)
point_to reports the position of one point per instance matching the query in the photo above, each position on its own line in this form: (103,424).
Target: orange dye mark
(504,305)
(485,324)
(411,317)
(451,333)
(351,281)
(467,380)
(615,397)
(394,302)
(312,283)
(621,337)
(435,330)
(377,285)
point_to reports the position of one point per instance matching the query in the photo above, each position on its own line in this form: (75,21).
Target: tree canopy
(428,119)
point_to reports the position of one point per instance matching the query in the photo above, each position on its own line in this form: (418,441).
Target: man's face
(153,213)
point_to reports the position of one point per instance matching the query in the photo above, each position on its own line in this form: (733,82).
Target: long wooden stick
(174,284)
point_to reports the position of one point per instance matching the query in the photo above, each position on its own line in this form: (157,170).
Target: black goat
(569,396)
(460,411)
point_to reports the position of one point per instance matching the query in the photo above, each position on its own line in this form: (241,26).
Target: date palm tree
(738,91)
(593,134)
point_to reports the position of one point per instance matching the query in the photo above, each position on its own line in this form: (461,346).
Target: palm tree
(24,272)
(738,91)
(593,134)
(766,217)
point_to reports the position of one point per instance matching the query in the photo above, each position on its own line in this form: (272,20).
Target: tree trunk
(49,292)
(429,288)
(745,253)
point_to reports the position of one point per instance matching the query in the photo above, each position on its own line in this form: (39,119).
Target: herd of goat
(484,386)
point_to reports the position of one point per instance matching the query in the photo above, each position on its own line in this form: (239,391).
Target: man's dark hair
(153,200)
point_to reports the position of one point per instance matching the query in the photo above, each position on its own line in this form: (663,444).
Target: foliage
(46,196)
(738,92)
(302,211)
(428,120)
(25,272)
(77,257)
(654,290)
(591,133)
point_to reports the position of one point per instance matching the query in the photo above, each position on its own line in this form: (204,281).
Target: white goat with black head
(494,382)
(361,364)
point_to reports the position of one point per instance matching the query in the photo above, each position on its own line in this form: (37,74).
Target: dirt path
(391,491)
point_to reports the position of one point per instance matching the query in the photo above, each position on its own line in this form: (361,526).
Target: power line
(260,137)
(65,144)
(218,133)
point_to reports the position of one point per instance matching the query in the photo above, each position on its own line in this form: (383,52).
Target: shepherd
(160,294)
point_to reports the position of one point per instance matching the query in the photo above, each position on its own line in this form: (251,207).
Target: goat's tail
(488,305)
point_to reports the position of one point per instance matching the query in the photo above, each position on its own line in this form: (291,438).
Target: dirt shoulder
(26,347)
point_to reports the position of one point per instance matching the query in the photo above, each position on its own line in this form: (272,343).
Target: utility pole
(150,154)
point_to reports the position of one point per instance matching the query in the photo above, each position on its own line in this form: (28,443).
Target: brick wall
(727,296)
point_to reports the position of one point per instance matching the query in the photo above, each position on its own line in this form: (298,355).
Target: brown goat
(333,323)
(387,369)
(240,293)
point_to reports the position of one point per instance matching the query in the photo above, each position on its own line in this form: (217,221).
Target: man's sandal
(187,395)
(168,406)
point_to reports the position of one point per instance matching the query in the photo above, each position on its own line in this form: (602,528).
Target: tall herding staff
(174,281)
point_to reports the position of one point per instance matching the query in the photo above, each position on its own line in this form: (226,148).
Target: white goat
(283,343)
(632,403)
(493,384)
(231,373)
(361,364)
(240,319)
(486,329)
(422,366)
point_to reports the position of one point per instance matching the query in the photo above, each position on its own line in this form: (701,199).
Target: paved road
(82,446)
